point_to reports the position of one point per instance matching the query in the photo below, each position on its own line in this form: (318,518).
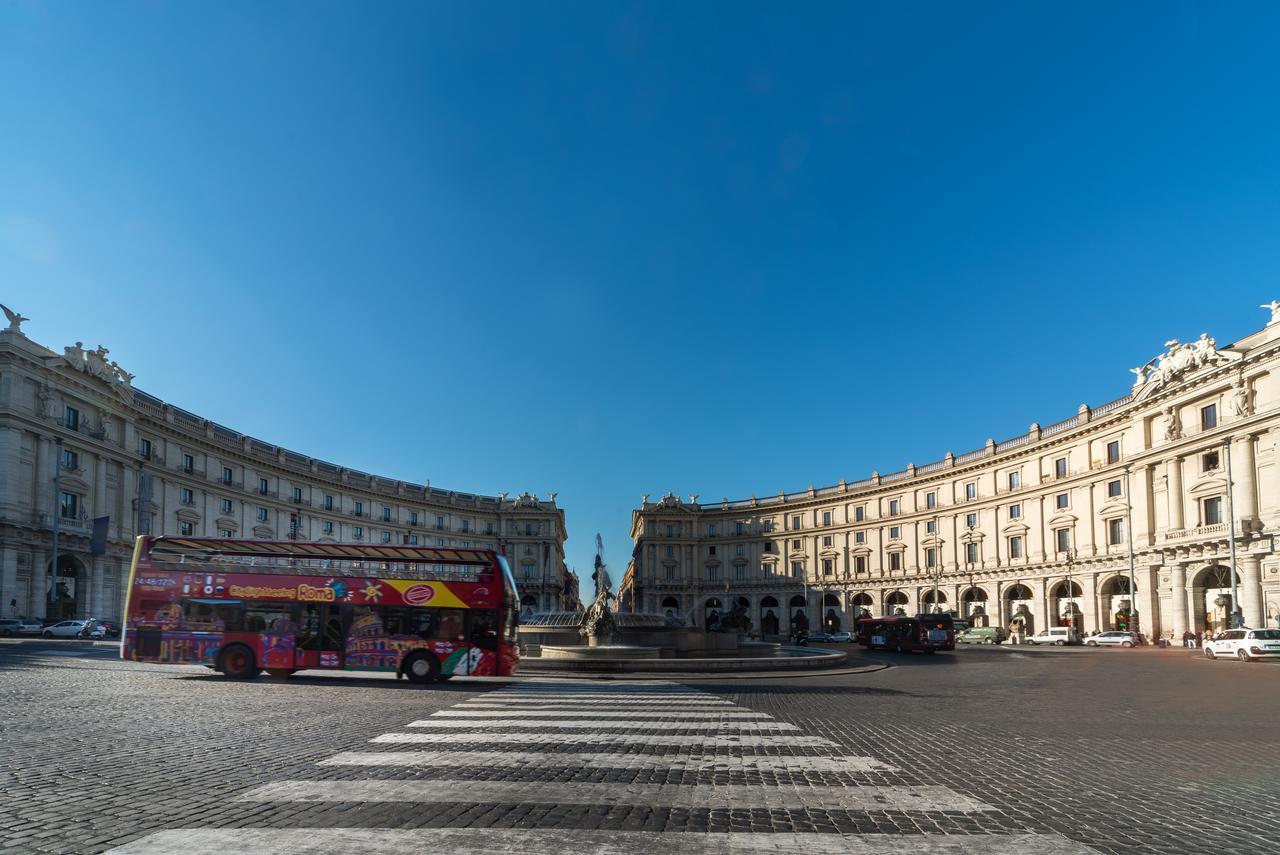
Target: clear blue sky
(609,249)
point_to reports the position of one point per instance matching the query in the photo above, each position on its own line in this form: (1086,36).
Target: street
(988,749)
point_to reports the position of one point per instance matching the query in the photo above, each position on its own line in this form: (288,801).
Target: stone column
(1089,596)
(1041,606)
(95,604)
(44,478)
(9,581)
(1251,590)
(1178,600)
(1174,496)
(1244,492)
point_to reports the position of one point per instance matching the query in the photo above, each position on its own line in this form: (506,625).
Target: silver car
(65,629)
(1115,637)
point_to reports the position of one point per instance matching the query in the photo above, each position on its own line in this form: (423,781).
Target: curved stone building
(148,466)
(1038,529)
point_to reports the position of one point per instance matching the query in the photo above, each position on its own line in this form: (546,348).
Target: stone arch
(1210,591)
(712,611)
(769,620)
(528,606)
(895,603)
(973,607)
(926,599)
(71,598)
(1116,602)
(1065,599)
(862,603)
(798,609)
(1020,602)
(832,613)
(670,608)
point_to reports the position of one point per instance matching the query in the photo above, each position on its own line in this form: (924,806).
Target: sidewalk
(73,642)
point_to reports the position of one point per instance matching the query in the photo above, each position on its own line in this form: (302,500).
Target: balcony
(1203,531)
(357,512)
(300,500)
(228,482)
(193,472)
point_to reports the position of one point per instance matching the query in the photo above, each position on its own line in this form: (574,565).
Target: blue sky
(618,248)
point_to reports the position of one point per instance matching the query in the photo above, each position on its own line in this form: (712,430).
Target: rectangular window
(144,448)
(188,464)
(795,522)
(859,513)
(1113,451)
(930,558)
(671,574)
(1210,461)
(1060,467)
(931,527)
(712,550)
(931,500)
(69,506)
(263,486)
(488,528)
(71,418)
(894,507)
(895,532)
(1113,488)
(413,540)
(357,532)
(227,475)
(768,526)
(1015,480)
(1115,531)
(859,564)
(359,509)
(1015,512)
(1209,417)
(70,460)
(386,537)
(227,533)
(186,528)
(670,551)
(713,574)
(797,569)
(970,520)
(859,537)
(768,546)
(827,541)
(738,528)
(328,527)
(827,567)
(328,502)
(738,549)
(795,544)
(826,517)
(439,541)
(466,526)
(263,514)
(895,560)
(439,522)
(1015,547)
(1062,539)
(413,517)
(971,490)
(297,494)
(971,553)
(225,504)
(711,530)
(740,572)
(1212,510)
(1062,500)
(386,514)
(187,496)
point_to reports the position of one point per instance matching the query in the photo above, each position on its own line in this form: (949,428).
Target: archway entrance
(670,608)
(1066,605)
(70,589)
(1211,598)
(799,615)
(711,612)
(975,607)
(1018,600)
(1117,603)
(830,613)
(528,606)
(768,617)
(862,605)
(895,603)
(930,606)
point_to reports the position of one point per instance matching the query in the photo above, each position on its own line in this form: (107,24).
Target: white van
(1056,635)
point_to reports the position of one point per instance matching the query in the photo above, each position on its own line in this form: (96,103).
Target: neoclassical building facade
(148,466)
(1178,480)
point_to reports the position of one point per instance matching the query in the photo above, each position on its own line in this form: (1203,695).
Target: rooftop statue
(15,319)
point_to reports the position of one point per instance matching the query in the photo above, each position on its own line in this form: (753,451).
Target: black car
(820,637)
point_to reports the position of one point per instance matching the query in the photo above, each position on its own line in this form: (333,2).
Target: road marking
(485,841)
(563,697)
(675,706)
(661,795)
(455,712)
(455,759)
(597,724)
(706,740)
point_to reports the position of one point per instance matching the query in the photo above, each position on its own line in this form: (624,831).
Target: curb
(69,642)
(694,676)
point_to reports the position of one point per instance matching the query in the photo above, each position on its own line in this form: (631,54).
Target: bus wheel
(421,668)
(237,662)
(280,673)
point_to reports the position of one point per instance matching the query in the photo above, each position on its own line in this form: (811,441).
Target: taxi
(1247,645)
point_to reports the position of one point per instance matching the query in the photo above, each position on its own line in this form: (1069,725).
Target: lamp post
(1135,623)
(937,564)
(1071,560)
(1236,617)
(57,518)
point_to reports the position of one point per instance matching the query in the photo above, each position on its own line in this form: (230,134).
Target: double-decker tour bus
(241,606)
(905,634)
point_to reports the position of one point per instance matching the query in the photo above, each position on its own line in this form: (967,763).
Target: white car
(1113,637)
(844,636)
(1245,644)
(65,629)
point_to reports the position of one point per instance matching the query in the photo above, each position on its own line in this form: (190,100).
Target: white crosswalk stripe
(642,728)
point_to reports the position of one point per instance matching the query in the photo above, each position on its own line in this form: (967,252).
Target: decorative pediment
(895,546)
(188,515)
(1208,486)
(264,532)
(829,552)
(1179,360)
(228,524)
(861,549)
(1112,507)
(1014,529)
(1062,520)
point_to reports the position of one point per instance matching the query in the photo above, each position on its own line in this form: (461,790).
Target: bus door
(320,636)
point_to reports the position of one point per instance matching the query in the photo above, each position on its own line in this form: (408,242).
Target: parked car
(1247,645)
(106,629)
(1114,637)
(29,626)
(820,637)
(9,627)
(1056,635)
(981,635)
(64,629)
(844,637)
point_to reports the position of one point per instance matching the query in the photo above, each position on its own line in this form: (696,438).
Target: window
(895,532)
(713,574)
(186,528)
(931,527)
(827,567)
(859,564)
(1210,461)
(328,502)
(738,528)
(895,561)
(1113,488)
(439,541)
(768,546)
(894,507)
(930,557)
(69,506)
(488,528)
(713,550)
(386,537)
(263,514)
(359,509)
(1062,539)
(1115,531)
(297,494)
(227,475)
(971,490)
(413,540)
(1015,512)
(1209,417)
(971,520)
(386,514)
(1015,546)
(328,527)
(859,513)
(357,532)
(1015,480)
(795,522)
(263,486)
(225,506)
(70,460)
(826,517)
(1113,451)
(711,530)
(226,532)
(71,418)
(188,464)
(795,544)
(187,497)
(737,550)
(826,540)
(669,552)
(466,526)
(797,569)
(859,537)
(971,553)
(1060,467)
(1212,510)
(740,572)
(670,530)
(768,525)
(144,448)
(671,574)
(1062,500)
(931,500)
(439,522)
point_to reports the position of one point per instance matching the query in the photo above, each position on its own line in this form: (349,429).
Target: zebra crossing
(653,746)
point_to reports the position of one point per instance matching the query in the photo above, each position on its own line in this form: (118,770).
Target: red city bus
(905,634)
(239,606)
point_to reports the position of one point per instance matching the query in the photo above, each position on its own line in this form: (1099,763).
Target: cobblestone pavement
(984,750)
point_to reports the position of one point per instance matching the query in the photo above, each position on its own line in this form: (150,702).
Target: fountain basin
(599,652)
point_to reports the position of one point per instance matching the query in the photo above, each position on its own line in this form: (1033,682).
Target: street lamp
(57,518)
(937,564)
(1071,560)
(1135,624)
(1237,619)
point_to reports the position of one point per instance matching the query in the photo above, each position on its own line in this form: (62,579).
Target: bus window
(450,627)
(482,633)
(424,623)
